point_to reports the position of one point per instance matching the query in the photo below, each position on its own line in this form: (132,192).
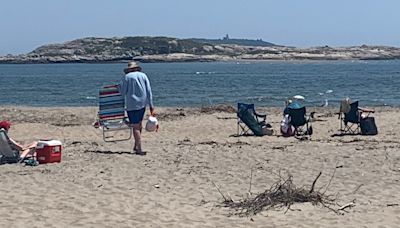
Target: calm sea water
(374,83)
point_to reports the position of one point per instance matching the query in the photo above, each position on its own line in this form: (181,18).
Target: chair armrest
(260,115)
(263,117)
(365,110)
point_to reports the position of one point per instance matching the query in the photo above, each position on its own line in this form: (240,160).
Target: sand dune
(100,184)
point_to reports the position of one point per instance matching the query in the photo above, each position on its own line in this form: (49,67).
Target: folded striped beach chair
(111,115)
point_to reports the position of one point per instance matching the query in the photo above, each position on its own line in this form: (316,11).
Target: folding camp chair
(350,119)
(300,121)
(249,120)
(111,115)
(8,154)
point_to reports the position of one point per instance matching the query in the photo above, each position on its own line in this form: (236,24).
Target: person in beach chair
(301,121)
(249,120)
(111,115)
(351,116)
(10,150)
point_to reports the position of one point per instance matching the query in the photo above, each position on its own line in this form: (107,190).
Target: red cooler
(48,151)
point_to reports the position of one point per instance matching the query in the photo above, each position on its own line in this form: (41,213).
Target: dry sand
(100,184)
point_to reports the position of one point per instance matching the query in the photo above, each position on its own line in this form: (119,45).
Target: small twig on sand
(330,180)
(315,181)
(225,199)
(392,204)
(358,187)
(349,205)
(251,178)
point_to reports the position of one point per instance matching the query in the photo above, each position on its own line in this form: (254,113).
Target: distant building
(226,37)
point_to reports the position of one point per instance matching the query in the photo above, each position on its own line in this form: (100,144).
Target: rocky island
(167,49)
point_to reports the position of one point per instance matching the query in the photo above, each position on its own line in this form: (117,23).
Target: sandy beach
(100,184)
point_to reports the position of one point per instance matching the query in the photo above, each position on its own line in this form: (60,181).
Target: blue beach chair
(350,121)
(111,115)
(301,121)
(249,120)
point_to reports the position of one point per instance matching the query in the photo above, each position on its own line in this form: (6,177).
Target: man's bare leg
(137,129)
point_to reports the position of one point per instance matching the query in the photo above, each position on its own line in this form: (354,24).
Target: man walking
(135,87)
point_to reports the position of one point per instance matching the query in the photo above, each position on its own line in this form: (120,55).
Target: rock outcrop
(166,49)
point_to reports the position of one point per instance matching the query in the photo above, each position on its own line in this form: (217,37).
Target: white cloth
(285,124)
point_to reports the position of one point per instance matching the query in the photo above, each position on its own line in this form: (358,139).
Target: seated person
(24,150)
(345,108)
(286,128)
(291,104)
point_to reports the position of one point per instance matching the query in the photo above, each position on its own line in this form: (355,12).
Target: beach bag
(267,130)
(368,126)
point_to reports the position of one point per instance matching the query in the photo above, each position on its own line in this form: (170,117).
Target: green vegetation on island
(168,49)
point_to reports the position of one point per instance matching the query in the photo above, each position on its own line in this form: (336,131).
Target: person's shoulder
(135,74)
(141,74)
(131,75)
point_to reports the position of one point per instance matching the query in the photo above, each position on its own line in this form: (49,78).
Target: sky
(28,24)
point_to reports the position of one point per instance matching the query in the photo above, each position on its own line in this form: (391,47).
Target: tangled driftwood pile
(282,194)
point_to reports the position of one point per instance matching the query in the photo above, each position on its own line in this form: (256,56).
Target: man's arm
(122,87)
(149,96)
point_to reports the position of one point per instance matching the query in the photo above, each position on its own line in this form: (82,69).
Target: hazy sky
(27,24)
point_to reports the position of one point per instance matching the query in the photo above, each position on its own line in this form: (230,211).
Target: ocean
(268,83)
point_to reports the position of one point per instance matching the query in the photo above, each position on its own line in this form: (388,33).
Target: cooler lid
(49,143)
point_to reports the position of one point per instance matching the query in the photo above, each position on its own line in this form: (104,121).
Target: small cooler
(48,151)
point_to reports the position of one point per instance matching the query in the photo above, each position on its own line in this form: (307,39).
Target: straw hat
(132,65)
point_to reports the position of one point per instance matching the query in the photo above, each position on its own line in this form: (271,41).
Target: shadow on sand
(344,134)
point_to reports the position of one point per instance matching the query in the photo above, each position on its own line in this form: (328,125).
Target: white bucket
(152,124)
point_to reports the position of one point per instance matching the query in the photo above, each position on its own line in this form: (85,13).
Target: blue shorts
(136,116)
